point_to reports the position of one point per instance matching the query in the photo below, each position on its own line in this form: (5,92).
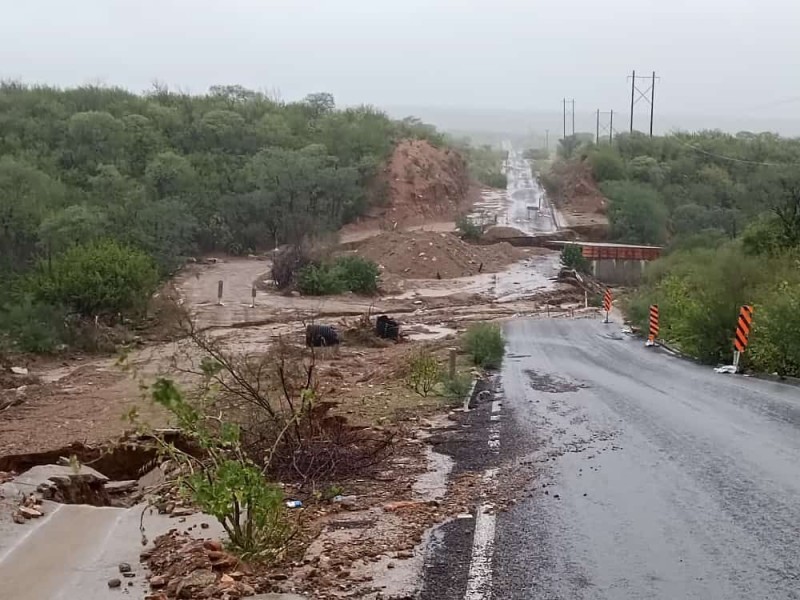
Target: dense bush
(485,345)
(700,292)
(357,274)
(33,326)
(345,274)
(606,164)
(637,213)
(103,279)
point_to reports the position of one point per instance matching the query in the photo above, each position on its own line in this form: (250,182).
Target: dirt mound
(428,255)
(421,183)
(502,232)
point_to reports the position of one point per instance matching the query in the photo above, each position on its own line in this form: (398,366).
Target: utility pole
(547,140)
(611,127)
(597,134)
(601,126)
(573,117)
(572,110)
(633,90)
(652,101)
(643,95)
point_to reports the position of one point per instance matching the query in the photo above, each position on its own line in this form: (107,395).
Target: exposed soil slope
(421,183)
(579,199)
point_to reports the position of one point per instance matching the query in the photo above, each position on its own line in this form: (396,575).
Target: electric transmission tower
(643,94)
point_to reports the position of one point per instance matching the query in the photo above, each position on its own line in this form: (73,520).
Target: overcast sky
(713,56)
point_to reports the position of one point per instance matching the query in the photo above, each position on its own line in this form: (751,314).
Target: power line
(733,158)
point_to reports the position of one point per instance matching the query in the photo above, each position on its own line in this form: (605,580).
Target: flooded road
(523,205)
(656,478)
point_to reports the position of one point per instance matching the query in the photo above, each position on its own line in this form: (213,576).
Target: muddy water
(527,277)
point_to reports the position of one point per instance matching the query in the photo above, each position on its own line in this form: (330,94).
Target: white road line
(479,580)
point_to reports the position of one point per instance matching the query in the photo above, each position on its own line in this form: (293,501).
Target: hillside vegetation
(728,209)
(96,172)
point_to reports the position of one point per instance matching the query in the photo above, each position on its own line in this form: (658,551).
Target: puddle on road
(551,384)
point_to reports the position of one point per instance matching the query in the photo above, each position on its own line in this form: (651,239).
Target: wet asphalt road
(656,478)
(529,209)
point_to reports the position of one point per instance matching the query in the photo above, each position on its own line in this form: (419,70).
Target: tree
(607,165)
(94,137)
(26,195)
(73,225)
(97,279)
(637,214)
(169,174)
(320,103)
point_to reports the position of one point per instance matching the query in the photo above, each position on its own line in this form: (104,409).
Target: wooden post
(253,294)
(452,363)
(219,293)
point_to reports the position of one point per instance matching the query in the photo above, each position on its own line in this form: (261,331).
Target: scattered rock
(18,518)
(213,545)
(158,581)
(30,513)
(125,567)
(19,370)
(114,583)
(195,582)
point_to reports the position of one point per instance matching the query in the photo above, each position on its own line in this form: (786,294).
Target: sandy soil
(429,255)
(86,399)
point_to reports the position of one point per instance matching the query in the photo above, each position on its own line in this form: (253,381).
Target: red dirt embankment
(419,184)
(579,199)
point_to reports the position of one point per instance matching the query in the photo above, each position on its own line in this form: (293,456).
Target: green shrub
(484,343)
(606,164)
(572,258)
(319,280)
(357,274)
(97,279)
(224,483)
(775,341)
(469,229)
(456,388)
(33,326)
(347,273)
(424,372)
